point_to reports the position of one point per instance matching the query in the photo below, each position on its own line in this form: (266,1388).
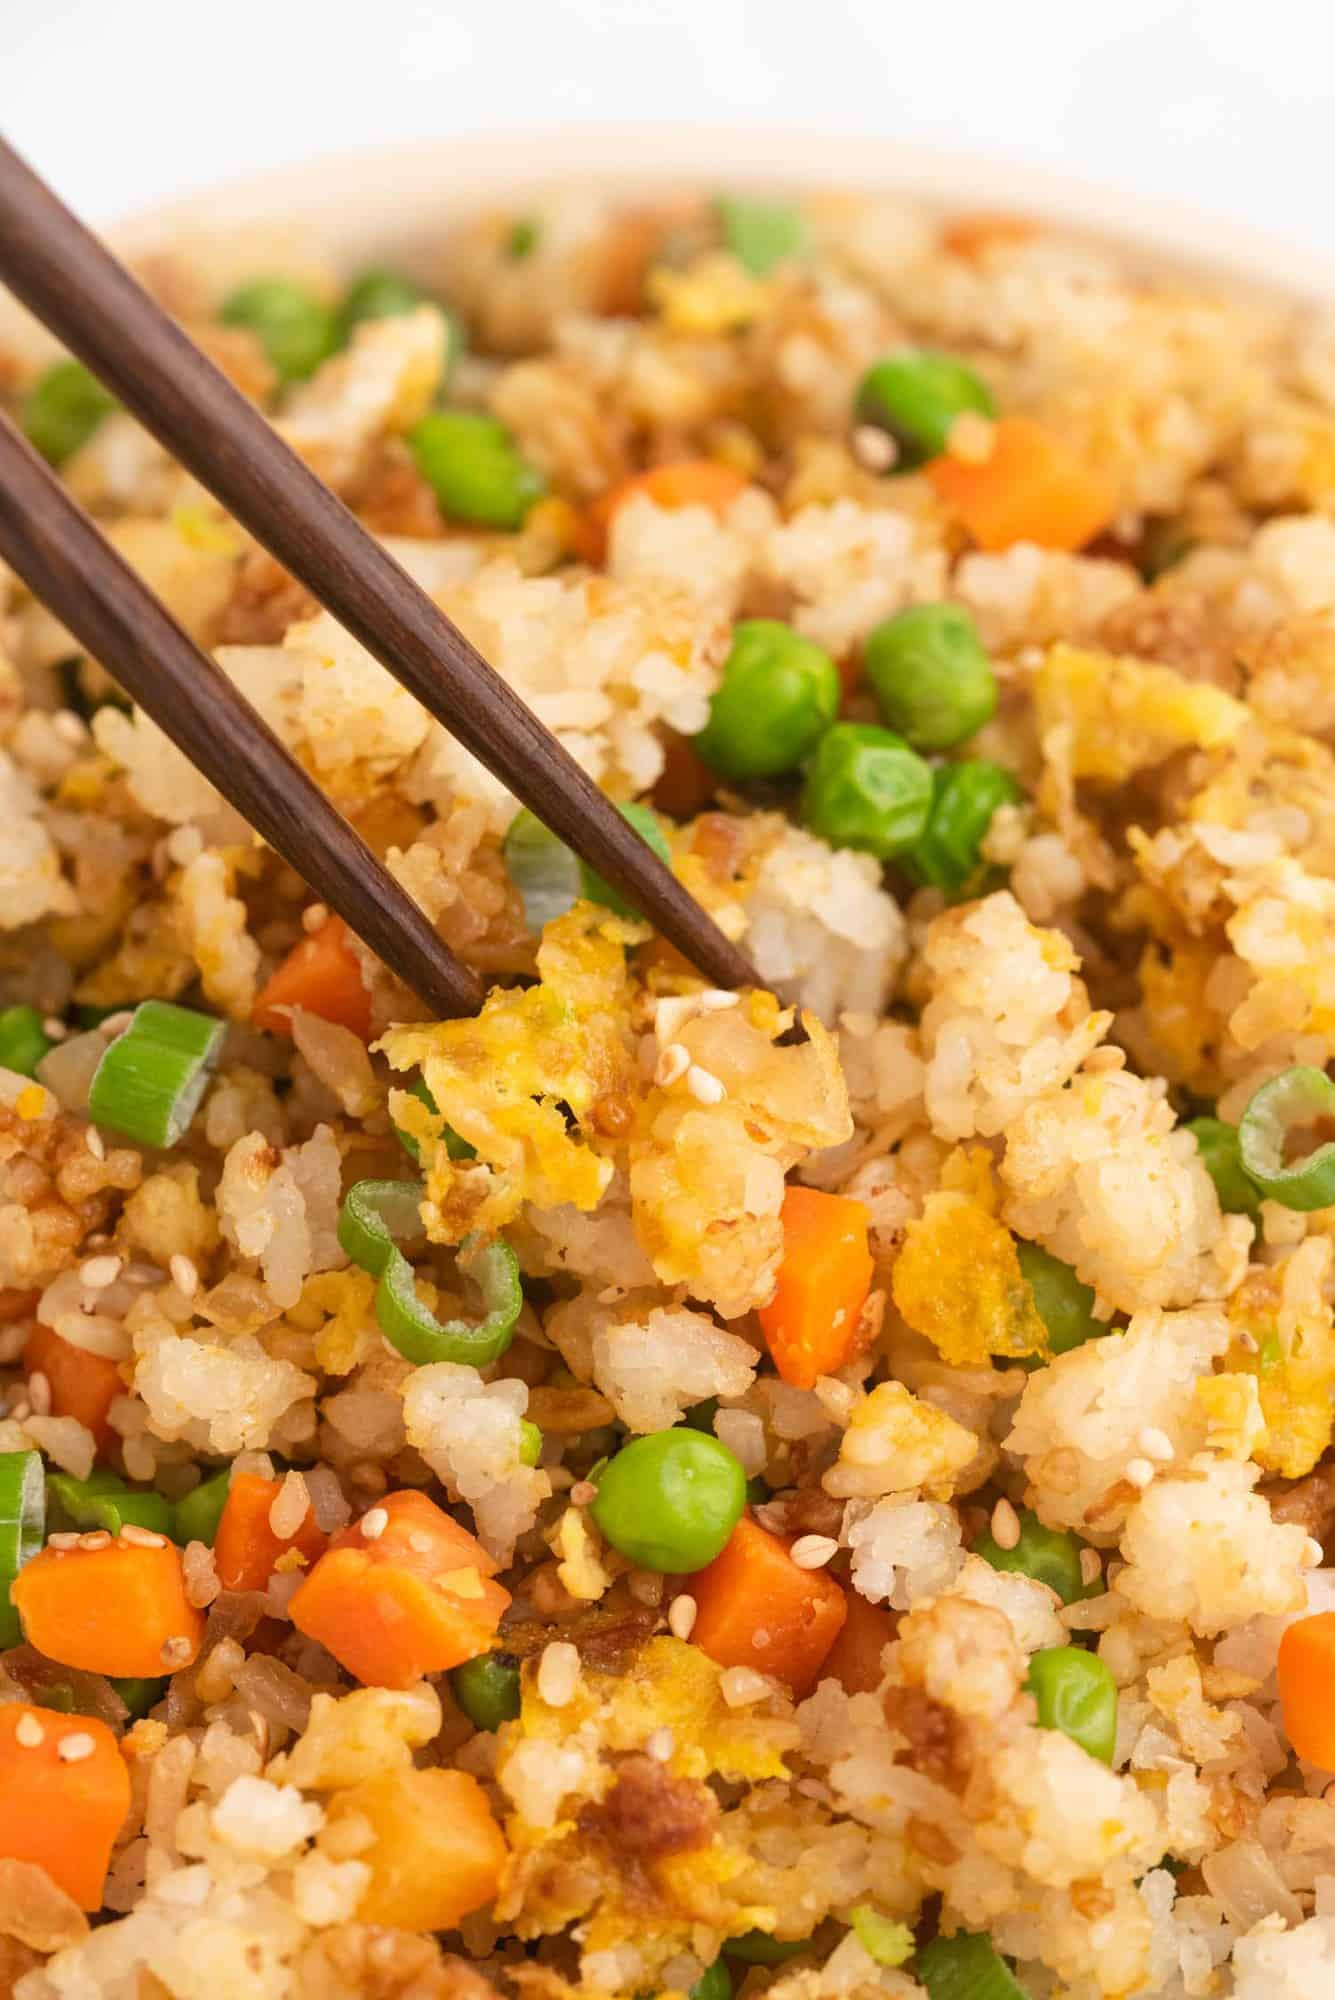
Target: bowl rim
(344,197)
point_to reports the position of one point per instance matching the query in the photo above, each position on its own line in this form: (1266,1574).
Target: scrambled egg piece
(715,294)
(1109,717)
(511,1076)
(1234,1424)
(895,1443)
(338,1307)
(957,1279)
(1291,1354)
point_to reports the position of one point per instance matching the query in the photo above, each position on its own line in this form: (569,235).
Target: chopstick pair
(100,313)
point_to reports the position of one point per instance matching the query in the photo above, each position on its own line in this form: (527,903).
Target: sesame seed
(73,1749)
(39,1393)
(142,1538)
(69,727)
(1140,1472)
(681,1615)
(1102,1060)
(558,1673)
(374,1523)
(314,918)
(419,1543)
(29,1732)
(115,1024)
(62,1542)
(1315,1552)
(95,1143)
(672,1013)
(1155,1443)
(1091,1569)
(583,1492)
(717,1000)
(660,1744)
(874,448)
(99,1272)
(813,1551)
(175,1652)
(740,1686)
(54,1028)
(1005,1525)
(704,1086)
(184,1275)
(96,1538)
(672,1065)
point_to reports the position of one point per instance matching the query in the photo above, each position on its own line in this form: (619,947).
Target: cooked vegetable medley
(819,1492)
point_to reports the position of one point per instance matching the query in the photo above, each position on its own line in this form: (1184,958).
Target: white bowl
(394,199)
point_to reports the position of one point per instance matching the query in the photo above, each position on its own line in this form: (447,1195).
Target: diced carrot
(245,1548)
(1307,1687)
(756,1607)
(691,482)
(82,1384)
(413,1599)
(322,974)
(61,1813)
(972,234)
(110,1609)
(1030,488)
(437,1852)
(854,1660)
(811,1323)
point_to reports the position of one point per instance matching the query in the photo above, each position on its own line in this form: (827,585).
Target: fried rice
(984,1081)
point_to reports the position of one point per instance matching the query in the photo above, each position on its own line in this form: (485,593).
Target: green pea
(1077,1694)
(296,330)
(530,1448)
(63,409)
(1221,1157)
(916,396)
(670,1501)
(23,1040)
(1065,1306)
(967,1966)
(379,294)
(1050,1555)
(487,1689)
(139,1695)
(931,676)
(865,788)
(195,1517)
(761,234)
(715,1983)
(759,1948)
(778,696)
(523,239)
(475,468)
(965,796)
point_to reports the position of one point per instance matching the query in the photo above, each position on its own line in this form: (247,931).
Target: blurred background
(1224,104)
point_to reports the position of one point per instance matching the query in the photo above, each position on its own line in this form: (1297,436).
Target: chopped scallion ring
(373,1213)
(151,1080)
(1296,1097)
(22,1527)
(967,1966)
(550,876)
(103,1500)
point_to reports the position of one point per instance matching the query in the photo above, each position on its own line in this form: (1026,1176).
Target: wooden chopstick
(66,562)
(94,306)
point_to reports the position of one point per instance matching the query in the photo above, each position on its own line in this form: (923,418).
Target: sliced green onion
(140,1695)
(1296,1097)
(196,1514)
(714,1983)
(103,1500)
(1221,1155)
(530,1448)
(373,1213)
(23,1040)
(550,876)
(150,1082)
(967,1966)
(761,234)
(759,1948)
(523,238)
(888,1942)
(457,1148)
(22,1528)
